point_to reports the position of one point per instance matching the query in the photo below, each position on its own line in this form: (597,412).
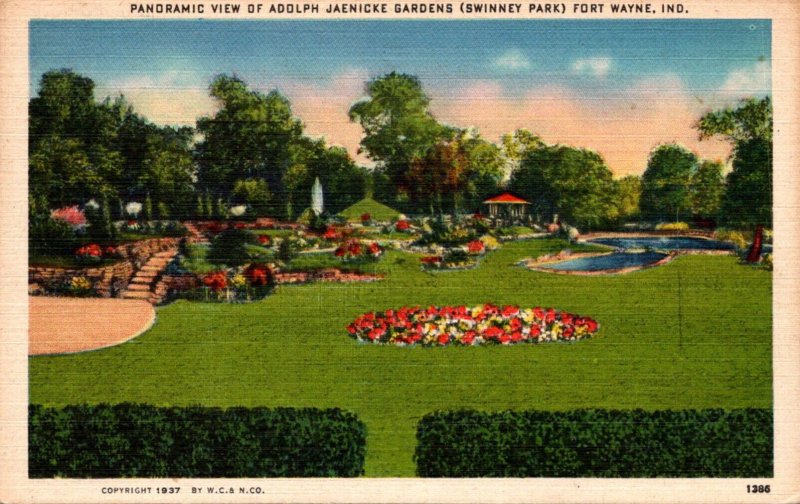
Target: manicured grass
(378,211)
(694,333)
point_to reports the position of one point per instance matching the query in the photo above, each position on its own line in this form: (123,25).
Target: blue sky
(581,82)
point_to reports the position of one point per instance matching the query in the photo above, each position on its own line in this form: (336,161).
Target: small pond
(616,261)
(664,243)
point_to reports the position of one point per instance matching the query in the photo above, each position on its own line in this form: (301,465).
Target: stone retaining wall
(108,280)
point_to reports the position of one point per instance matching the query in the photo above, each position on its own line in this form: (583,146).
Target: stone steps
(145,283)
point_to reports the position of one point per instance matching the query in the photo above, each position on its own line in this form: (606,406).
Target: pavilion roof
(507,198)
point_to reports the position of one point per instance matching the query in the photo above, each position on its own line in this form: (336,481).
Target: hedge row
(596,443)
(135,440)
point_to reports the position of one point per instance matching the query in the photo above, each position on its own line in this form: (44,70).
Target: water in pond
(664,243)
(606,262)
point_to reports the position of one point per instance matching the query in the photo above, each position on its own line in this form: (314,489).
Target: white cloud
(513,59)
(599,67)
(168,98)
(744,82)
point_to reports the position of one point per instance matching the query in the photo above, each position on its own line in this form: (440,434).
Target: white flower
(92,204)
(238,210)
(133,208)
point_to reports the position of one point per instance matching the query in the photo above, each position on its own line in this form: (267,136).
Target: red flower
(354,248)
(110,250)
(444,339)
(216,281)
(510,311)
(475,247)
(493,333)
(330,234)
(365,217)
(402,225)
(239,225)
(91,250)
(431,260)
(374,249)
(550,316)
(263,239)
(469,337)
(339,252)
(258,275)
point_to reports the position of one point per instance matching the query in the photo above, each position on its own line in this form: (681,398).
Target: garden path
(60,325)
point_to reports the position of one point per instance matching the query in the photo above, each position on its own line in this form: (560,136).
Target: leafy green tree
(748,194)
(398,126)
(252,192)
(248,138)
(708,187)
(629,192)
(667,183)
(574,183)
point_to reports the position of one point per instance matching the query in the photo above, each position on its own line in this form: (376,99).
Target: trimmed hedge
(596,443)
(136,440)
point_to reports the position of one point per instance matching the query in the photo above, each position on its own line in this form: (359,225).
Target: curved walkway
(60,325)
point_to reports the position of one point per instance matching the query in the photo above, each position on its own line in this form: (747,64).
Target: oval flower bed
(477,325)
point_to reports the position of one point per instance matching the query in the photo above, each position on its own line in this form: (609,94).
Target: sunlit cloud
(623,126)
(598,67)
(749,81)
(169,98)
(513,60)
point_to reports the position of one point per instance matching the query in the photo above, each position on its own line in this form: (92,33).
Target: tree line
(253,152)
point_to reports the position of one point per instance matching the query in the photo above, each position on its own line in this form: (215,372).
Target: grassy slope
(291,349)
(377,211)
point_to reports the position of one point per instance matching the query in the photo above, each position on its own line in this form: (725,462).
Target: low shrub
(230,247)
(709,443)
(734,237)
(673,226)
(136,440)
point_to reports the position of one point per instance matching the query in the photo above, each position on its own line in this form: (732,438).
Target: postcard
(399,251)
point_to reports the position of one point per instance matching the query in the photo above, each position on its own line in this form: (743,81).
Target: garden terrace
(660,342)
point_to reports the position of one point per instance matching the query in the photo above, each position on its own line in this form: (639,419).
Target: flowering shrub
(263,240)
(71,215)
(94,253)
(354,249)
(331,234)
(465,326)
(475,247)
(216,281)
(402,226)
(490,242)
(80,286)
(673,226)
(236,284)
(258,275)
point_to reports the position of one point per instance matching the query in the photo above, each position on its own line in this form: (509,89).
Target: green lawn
(694,333)
(378,211)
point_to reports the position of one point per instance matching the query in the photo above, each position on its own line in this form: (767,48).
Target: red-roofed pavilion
(506,205)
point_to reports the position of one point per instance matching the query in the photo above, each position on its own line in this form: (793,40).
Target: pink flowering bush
(73,216)
(465,326)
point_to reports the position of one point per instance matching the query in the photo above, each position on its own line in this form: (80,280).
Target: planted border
(137,440)
(467,326)
(709,443)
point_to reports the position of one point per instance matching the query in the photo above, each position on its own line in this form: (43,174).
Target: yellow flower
(239,281)
(80,283)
